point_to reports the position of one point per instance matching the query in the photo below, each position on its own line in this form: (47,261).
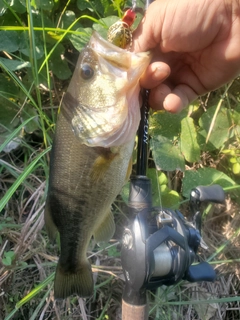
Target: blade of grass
(217,110)
(102,315)
(65,32)
(31,295)
(41,303)
(19,83)
(43,118)
(56,30)
(13,12)
(33,61)
(62,13)
(14,133)
(208,301)
(223,246)
(45,53)
(21,178)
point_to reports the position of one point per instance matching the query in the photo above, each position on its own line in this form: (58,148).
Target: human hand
(195,47)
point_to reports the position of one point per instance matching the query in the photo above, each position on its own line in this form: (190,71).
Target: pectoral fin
(105,230)
(129,170)
(102,163)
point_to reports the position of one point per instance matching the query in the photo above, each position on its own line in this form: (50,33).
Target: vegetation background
(39,46)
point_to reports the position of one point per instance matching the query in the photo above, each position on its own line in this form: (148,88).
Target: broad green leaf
(201,138)
(165,124)
(25,49)
(162,196)
(220,132)
(113,252)
(170,199)
(45,4)
(107,7)
(235,116)
(189,144)
(58,65)
(152,174)
(3,8)
(99,7)
(12,41)
(9,40)
(7,87)
(67,19)
(108,21)
(166,155)
(15,5)
(14,64)
(204,177)
(40,20)
(29,112)
(7,261)
(125,192)
(23,2)
(104,24)
(10,254)
(28,79)
(80,41)
(83,5)
(19,6)
(118,4)
(8,258)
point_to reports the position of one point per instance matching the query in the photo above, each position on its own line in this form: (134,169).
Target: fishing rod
(159,246)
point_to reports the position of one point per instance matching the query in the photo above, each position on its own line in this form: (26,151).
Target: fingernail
(161,73)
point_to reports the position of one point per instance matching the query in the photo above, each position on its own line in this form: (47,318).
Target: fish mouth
(103,109)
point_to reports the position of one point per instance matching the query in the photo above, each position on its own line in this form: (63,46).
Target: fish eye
(87,72)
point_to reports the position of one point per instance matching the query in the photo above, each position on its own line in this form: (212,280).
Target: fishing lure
(120,33)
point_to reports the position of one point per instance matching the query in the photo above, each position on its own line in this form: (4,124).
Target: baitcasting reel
(160,245)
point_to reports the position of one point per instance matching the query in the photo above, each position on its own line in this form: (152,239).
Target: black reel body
(160,245)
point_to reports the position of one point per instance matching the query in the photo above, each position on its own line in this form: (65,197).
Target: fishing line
(159,191)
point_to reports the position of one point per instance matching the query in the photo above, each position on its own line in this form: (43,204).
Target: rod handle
(133,312)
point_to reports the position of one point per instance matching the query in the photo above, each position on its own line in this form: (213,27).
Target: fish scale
(85,178)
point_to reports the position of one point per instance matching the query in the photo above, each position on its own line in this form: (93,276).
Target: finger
(172,100)
(158,95)
(155,73)
(181,97)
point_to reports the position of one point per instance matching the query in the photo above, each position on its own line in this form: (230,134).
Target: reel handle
(213,193)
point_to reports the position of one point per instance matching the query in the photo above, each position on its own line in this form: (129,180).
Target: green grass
(32,97)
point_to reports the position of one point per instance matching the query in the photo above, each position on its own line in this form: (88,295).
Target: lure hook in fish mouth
(110,116)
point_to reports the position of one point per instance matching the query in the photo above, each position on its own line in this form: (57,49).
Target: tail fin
(79,282)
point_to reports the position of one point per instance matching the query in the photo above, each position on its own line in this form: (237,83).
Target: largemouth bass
(91,156)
